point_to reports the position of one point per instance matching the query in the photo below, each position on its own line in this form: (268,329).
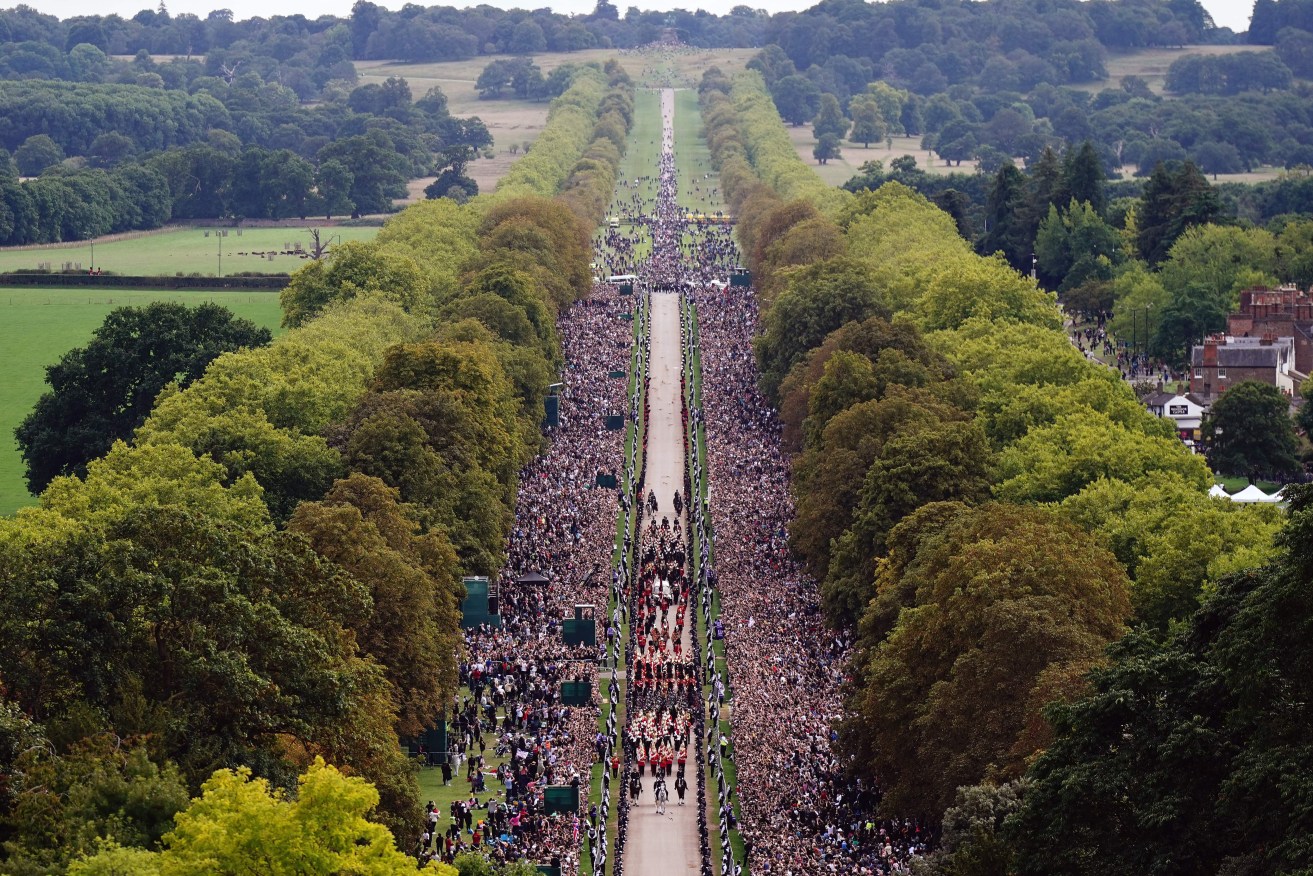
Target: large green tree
(413,628)
(1175,198)
(868,124)
(1006,608)
(830,119)
(797,97)
(819,299)
(922,462)
(241,824)
(1249,432)
(1005,219)
(352,269)
(1190,755)
(102,392)
(63,802)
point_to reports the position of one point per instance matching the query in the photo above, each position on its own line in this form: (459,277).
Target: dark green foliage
(1084,179)
(1228,74)
(797,98)
(210,635)
(819,299)
(1005,219)
(102,392)
(1250,432)
(452,181)
(1190,755)
(826,148)
(36,153)
(1175,198)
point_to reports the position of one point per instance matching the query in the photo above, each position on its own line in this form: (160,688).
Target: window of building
(1199,372)
(1221,374)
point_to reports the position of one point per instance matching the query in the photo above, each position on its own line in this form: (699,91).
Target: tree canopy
(102,392)
(1198,732)
(1007,608)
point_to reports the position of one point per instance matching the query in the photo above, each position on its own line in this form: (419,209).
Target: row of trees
(269,572)
(174,162)
(350,176)
(76,116)
(1227,74)
(955,40)
(927,49)
(1226,124)
(984,506)
(312,49)
(1168,265)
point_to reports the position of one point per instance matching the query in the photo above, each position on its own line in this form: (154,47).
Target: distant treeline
(956,40)
(107,157)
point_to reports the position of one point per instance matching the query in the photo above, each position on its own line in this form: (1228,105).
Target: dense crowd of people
(564,530)
(801,813)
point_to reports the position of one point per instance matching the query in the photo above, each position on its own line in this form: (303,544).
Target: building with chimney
(1222,361)
(1284,312)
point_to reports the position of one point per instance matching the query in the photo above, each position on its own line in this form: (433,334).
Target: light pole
(1146,330)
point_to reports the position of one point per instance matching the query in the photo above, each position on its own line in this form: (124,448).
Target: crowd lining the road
(801,814)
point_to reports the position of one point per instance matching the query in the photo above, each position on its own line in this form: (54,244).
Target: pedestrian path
(663,690)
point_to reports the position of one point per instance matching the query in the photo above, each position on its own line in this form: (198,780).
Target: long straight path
(664,843)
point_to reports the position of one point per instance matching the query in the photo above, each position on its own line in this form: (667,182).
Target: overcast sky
(1227,13)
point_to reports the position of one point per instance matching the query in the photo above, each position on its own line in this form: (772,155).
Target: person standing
(681,785)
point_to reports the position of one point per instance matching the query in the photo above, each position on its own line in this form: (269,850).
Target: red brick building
(1285,312)
(1222,361)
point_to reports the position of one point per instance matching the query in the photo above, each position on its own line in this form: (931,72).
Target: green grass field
(185,250)
(693,158)
(1236,484)
(37,326)
(1151,64)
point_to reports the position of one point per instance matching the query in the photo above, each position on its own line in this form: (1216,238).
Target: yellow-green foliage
(357,269)
(244,825)
(771,151)
(914,249)
(569,130)
(415,261)
(1058,423)
(1173,539)
(438,235)
(152,476)
(263,411)
(303,381)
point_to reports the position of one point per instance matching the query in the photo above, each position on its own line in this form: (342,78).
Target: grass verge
(39,325)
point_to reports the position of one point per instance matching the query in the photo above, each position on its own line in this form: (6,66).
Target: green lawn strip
(718,646)
(731,781)
(173,251)
(39,325)
(692,157)
(644,138)
(430,778)
(693,398)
